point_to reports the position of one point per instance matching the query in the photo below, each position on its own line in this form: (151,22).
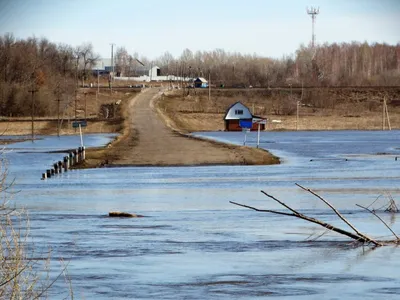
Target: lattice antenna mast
(313,12)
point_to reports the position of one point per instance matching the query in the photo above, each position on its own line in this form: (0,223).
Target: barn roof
(231,116)
(203,80)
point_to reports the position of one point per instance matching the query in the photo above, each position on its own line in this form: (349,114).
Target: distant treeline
(346,64)
(55,71)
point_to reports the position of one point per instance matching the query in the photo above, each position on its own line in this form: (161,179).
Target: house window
(239,112)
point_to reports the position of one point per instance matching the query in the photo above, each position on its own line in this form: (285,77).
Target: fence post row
(73,158)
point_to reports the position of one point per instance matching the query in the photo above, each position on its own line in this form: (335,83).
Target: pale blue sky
(151,27)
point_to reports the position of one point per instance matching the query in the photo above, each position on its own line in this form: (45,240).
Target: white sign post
(259,122)
(245,135)
(80,124)
(80,132)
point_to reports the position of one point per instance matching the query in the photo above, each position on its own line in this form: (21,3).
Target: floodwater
(194,244)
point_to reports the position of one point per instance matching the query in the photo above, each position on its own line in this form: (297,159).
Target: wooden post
(83,153)
(60,166)
(44,176)
(55,166)
(80,153)
(71,159)
(66,163)
(76,157)
(48,173)
(52,171)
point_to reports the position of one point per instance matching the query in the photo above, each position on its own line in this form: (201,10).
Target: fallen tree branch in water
(357,236)
(384,223)
(390,206)
(339,215)
(304,217)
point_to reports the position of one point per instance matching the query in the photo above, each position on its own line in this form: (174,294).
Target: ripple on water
(387,291)
(267,284)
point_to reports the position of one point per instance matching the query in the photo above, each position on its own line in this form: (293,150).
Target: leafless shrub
(21,275)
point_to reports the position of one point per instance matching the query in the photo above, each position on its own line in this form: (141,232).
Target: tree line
(345,64)
(39,70)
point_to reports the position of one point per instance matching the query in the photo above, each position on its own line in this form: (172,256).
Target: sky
(151,27)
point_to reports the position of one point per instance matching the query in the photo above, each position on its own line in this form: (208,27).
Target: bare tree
(88,58)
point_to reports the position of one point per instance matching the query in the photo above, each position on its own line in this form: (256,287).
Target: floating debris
(120,214)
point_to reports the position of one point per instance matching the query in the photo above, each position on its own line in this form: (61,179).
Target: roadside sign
(245,124)
(77,124)
(259,121)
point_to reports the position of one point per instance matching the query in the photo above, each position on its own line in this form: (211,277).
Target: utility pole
(383,113)
(151,72)
(209,86)
(33,91)
(85,104)
(98,87)
(76,105)
(313,12)
(298,104)
(58,115)
(387,115)
(112,66)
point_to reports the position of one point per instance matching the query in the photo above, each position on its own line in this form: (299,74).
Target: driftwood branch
(392,207)
(263,210)
(340,216)
(306,218)
(384,223)
(357,236)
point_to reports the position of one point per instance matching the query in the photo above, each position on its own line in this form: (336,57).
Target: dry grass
(321,110)
(96,122)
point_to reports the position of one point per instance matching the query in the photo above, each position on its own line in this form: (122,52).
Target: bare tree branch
(372,212)
(340,216)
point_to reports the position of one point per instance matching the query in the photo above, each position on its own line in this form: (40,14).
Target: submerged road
(151,142)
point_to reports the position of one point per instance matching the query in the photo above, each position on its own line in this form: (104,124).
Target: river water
(194,244)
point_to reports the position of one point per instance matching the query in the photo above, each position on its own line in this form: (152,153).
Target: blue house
(200,82)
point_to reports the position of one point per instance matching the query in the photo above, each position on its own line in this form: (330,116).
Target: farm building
(200,82)
(102,67)
(238,113)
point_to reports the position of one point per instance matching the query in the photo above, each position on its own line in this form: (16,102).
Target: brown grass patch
(320,109)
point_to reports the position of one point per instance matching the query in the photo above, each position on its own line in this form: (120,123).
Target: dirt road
(149,141)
